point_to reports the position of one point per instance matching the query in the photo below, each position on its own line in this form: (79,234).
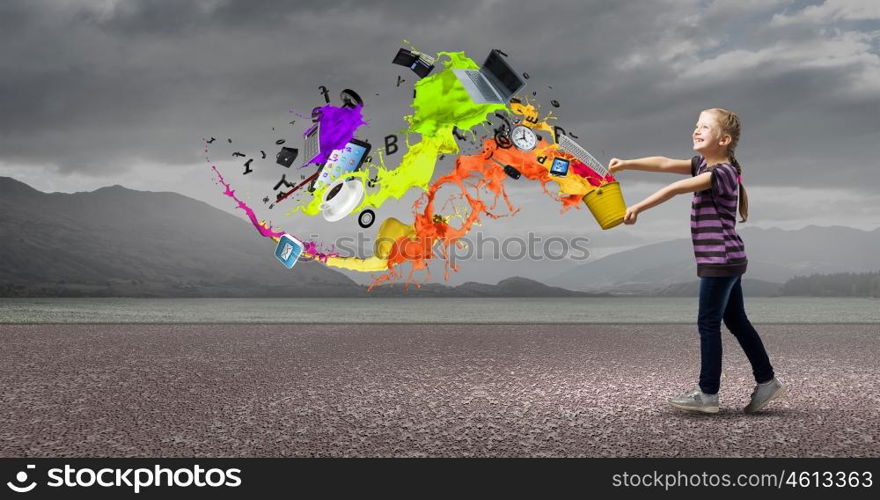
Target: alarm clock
(523,138)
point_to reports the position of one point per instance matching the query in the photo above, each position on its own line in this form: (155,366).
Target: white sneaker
(695,400)
(764,393)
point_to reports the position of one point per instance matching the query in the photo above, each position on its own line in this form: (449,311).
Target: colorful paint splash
(440,106)
(472,175)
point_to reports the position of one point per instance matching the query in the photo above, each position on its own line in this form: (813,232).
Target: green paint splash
(441,104)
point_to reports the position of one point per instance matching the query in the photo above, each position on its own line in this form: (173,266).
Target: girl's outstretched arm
(651,164)
(698,183)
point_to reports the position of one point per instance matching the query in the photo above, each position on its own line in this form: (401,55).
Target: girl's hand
(616,165)
(632,213)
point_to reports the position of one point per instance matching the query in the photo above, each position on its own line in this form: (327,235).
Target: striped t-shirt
(718,249)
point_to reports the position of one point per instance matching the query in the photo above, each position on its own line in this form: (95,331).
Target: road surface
(425,390)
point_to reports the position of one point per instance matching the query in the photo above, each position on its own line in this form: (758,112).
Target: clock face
(523,138)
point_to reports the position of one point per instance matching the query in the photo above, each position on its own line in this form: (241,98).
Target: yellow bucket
(606,203)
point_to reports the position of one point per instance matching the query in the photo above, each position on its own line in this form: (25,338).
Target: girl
(719,251)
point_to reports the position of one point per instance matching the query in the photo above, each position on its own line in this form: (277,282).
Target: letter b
(390,144)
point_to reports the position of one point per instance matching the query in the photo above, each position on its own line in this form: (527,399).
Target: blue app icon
(288,250)
(559,167)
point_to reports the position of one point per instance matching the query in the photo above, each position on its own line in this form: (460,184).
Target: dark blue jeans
(722,299)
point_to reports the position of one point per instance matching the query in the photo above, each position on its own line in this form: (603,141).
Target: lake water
(421,310)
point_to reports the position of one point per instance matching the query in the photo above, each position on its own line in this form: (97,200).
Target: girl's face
(708,138)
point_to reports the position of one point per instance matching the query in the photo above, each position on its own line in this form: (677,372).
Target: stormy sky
(105,92)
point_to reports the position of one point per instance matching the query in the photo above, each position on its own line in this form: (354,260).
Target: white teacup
(341,198)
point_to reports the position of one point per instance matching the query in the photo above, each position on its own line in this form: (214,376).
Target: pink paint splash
(311,249)
(266,232)
(589,174)
(338,126)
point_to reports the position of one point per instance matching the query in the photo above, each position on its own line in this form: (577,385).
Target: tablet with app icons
(342,161)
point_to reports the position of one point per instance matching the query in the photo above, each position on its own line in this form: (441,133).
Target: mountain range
(116,241)
(775,256)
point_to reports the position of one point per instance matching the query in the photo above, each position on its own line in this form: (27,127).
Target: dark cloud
(96,89)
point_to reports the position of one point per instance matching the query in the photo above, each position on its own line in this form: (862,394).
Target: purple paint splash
(338,126)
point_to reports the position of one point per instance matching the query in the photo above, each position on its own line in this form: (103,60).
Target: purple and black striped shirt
(717,247)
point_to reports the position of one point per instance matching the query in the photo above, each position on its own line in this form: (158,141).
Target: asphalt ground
(426,390)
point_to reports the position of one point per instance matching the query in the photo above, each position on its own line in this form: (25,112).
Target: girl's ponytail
(730,124)
(743,195)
